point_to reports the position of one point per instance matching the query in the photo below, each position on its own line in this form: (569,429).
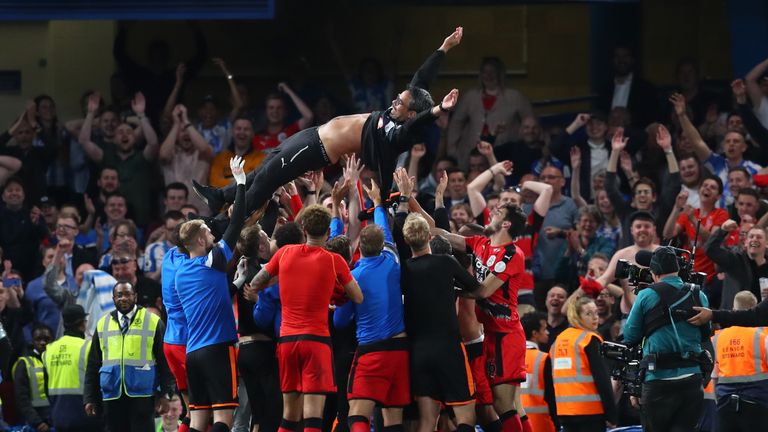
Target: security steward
(675,353)
(742,379)
(64,362)
(29,381)
(125,363)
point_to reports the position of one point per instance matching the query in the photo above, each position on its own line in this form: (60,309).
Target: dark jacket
(20,240)
(92,387)
(735,263)
(21,384)
(643,103)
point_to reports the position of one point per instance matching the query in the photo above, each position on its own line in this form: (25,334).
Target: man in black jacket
(380,136)
(743,267)
(124,412)
(629,91)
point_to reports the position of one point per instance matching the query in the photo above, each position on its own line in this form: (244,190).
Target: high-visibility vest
(536,408)
(36,375)
(65,361)
(740,355)
(128,360)
(575,390)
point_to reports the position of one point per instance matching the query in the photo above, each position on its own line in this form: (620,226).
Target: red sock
(527,427)
(510,422)
(359,424)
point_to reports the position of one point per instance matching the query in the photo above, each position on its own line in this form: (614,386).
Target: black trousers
(672,405)
(742,416)
(295,156)
(585,423)
(257,364)
(129,414)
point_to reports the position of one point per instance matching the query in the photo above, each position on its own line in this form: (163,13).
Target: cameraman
(672,395)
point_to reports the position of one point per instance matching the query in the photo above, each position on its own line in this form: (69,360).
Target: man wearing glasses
(74,254)
(560,217)
(380,136)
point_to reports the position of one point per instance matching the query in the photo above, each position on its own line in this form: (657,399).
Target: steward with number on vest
(64,362)
(742,378)
(29,380)
(583,392)
(676,354)
(125,365)
(538,393)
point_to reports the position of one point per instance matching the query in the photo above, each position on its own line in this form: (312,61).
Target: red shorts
(505,357)
(176,356)
(483,395)
(380,372)
(306,364)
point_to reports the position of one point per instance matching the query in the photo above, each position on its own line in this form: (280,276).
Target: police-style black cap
(73,314)
(664,261)
(642,214)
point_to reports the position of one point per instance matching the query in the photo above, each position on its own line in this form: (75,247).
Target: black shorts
(440,370)
(212,377)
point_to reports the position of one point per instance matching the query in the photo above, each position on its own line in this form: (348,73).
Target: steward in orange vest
(582,384)
(742,378)
(538,393)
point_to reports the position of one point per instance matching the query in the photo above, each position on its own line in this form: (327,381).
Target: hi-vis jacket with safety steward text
(740,355)
(575,389)
(128,360)
(65,361)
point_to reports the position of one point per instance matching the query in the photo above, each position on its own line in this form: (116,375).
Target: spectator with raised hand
(277,130)
(757,89)
(743,267)
(491,112)
(184,154)
(697,224)
(134,167)
(734,145)
(583,242)
(644,190)
(750,122)
(561,215)
(35,150)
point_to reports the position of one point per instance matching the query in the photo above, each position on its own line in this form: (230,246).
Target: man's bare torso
(342,135)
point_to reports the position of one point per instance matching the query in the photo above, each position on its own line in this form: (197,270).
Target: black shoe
(211,197)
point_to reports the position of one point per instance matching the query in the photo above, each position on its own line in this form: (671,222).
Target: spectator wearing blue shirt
(734,146)
(379,375)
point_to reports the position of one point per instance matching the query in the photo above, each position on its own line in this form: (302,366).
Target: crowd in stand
(92,207)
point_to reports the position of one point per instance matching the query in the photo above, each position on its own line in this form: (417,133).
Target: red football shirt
(265,140)
(715,218)
(498,313)
(308,275)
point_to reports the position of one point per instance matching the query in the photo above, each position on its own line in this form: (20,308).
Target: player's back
(307,276)
(176,328)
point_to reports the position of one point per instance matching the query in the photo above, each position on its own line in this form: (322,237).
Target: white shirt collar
(129,315)
(531,345)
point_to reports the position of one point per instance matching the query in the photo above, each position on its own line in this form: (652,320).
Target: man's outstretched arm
(428,70)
